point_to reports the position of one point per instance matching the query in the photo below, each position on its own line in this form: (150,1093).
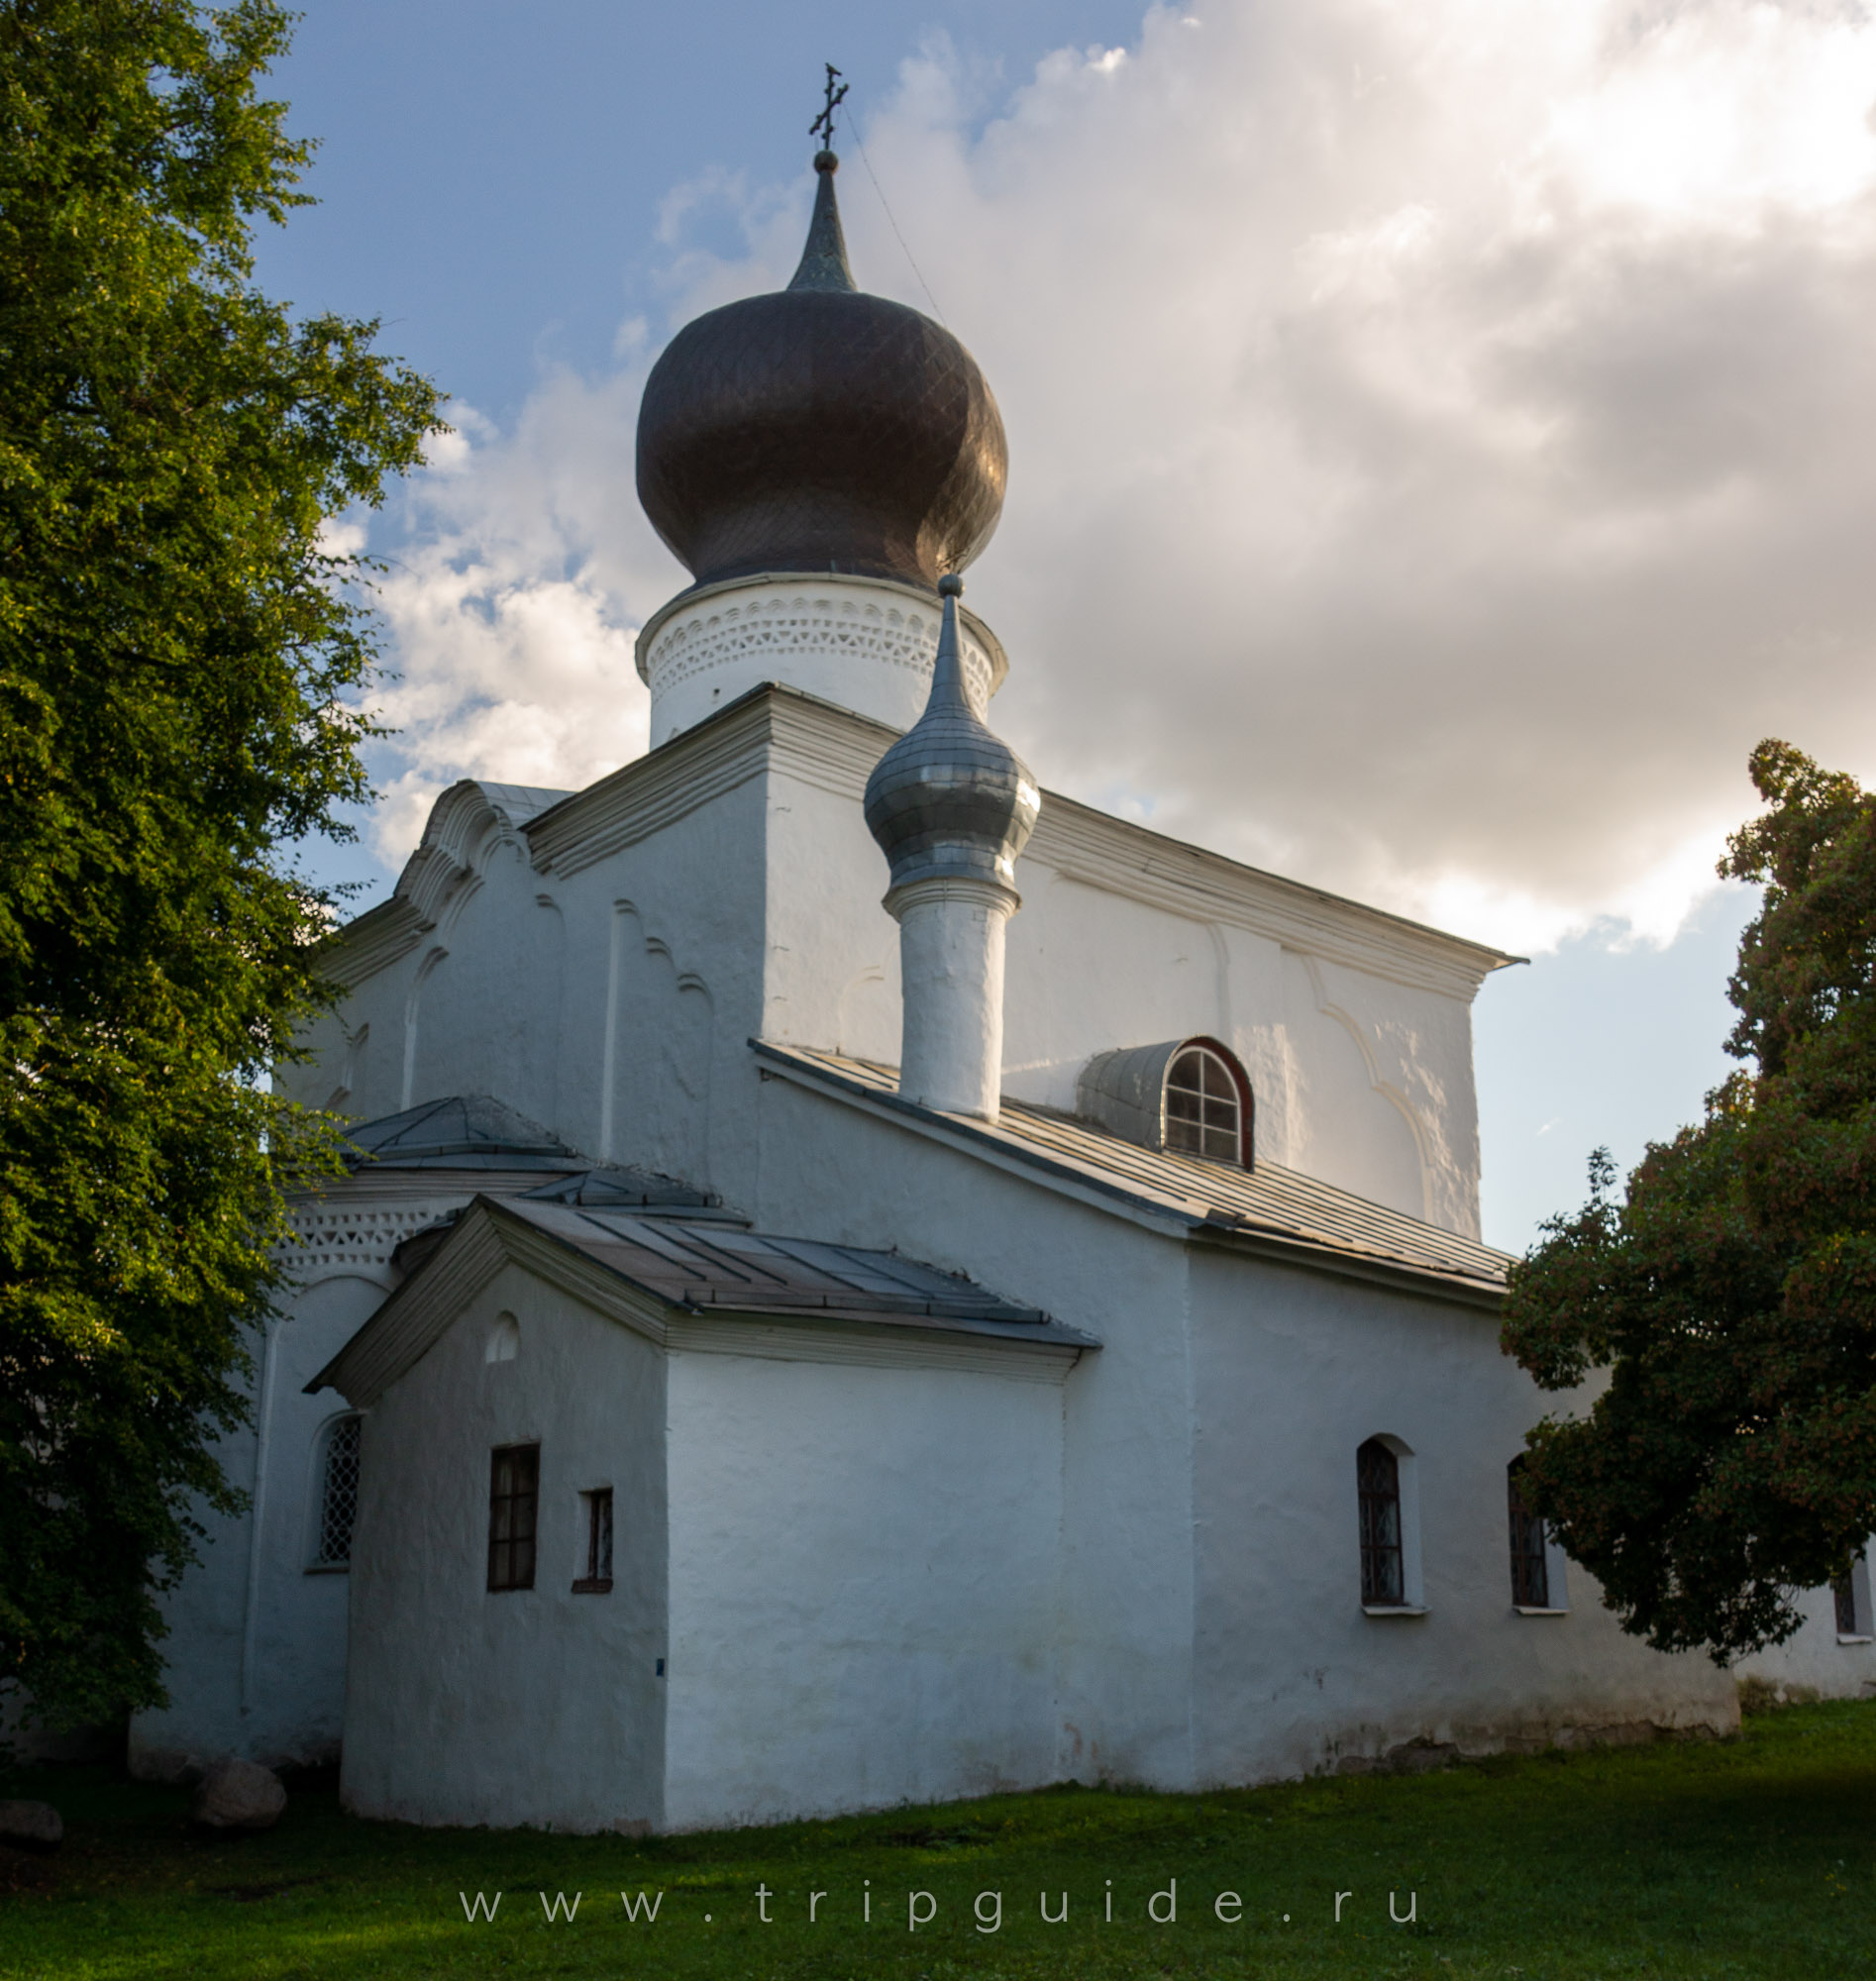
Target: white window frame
(1232,1084)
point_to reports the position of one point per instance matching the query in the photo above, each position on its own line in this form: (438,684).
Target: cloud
(1439,440)
(511,604)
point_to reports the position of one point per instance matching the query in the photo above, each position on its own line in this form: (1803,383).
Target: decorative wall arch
(659,1052)
(413,1006)
(1371,1066)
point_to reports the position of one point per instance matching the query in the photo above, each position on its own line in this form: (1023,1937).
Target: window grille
(514,1493)
(1378,1480)
(337,1494)
(1531,1568)
(1203,1117)
(598,1581)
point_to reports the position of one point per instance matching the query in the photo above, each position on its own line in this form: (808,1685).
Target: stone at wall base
(1412,1757)
(31,1826)
(238,1796)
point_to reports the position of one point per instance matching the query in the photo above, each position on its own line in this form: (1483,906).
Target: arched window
(1852,1594)
(1190,1094)
(1204,1116)
(1382,1566)
(337,1475)
(1530,1559)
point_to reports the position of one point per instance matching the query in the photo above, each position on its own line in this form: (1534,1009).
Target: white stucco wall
(1212,1631)
(1817,1658)
(1123,1668)
(256,1653)
(600,969)
(1363,1080)
(519,1707)
(1290,1674)
(863,1585)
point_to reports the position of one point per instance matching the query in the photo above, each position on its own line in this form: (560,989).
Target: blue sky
(1460,409)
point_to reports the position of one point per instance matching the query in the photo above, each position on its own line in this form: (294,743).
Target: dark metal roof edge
(1052,1333)
(1348,1263)
(1177,1220)
(1401,1275)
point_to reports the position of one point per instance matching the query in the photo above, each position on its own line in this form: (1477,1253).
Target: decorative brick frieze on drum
(866,644)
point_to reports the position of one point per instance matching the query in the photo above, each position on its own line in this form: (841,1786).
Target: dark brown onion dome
(820,429)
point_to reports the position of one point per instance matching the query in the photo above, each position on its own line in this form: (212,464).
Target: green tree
(181,650)
(1731,1296)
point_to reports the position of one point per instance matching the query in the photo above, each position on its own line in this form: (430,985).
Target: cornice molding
(657,790)
(1119,858)
(799,736)
(836,749)
(376,940)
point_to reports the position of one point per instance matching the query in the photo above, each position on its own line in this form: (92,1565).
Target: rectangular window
(514,1493)
(1530,1571)
(1844,1590)
(598,1581)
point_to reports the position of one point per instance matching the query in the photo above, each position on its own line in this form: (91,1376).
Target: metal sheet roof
(1281,1207)
(461,1132)
(722,1268)
(712,1267)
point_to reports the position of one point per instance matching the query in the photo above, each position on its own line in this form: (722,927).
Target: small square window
(598,1581)
(514,1493)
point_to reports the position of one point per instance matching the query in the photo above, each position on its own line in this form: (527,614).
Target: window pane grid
(1530,1571)
(1844,1590)
(513,1498)
(1202,1108)
(1378,1478)
(339,1495)
(597,1580)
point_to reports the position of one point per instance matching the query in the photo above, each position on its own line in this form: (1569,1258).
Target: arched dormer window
(335,1481)
(1188,1095)
(1203,1116)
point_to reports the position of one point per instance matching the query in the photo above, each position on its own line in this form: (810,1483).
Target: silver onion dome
(950,799)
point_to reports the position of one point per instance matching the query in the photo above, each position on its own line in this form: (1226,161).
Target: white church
(865,1280)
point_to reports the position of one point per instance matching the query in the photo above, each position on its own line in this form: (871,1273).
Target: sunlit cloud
(1438,441)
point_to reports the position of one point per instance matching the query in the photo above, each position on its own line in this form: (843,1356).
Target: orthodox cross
(823,126)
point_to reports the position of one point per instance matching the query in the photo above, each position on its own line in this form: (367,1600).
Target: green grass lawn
(1749,1857)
